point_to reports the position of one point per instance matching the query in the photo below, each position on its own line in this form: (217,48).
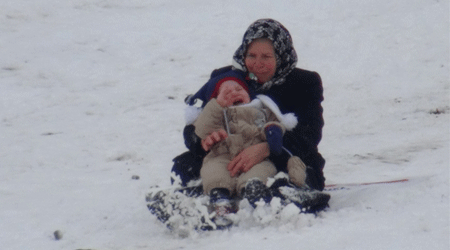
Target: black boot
(218,194)
(307,199)
(221,205)
(255,190)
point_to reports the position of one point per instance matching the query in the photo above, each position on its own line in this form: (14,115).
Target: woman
(268,59)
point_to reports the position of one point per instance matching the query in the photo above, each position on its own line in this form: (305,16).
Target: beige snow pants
(214,174)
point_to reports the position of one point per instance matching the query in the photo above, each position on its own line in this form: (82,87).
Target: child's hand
(224,98)
(213,138)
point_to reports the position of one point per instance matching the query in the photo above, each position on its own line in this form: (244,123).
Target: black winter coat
(302,94)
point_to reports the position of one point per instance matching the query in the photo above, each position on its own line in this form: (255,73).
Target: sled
(186,208)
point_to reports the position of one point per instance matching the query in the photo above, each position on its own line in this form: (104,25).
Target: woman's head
(259,33)
(261,60)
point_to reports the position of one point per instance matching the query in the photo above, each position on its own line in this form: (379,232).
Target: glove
(297,171)
(274,136)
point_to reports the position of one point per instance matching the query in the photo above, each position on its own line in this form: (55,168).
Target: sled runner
(332,187)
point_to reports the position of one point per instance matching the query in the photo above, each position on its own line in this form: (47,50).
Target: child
(241,123)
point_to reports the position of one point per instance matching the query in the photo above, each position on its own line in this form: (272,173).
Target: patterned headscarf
(282,42)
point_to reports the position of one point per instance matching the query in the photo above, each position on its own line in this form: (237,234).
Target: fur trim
(191,113)
(255,103)
(288,120)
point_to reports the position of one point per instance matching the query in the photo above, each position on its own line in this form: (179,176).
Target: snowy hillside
(91,94)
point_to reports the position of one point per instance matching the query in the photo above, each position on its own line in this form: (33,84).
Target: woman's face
(261,60)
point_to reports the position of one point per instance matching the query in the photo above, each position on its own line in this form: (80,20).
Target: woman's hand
(213,138)
(249,157)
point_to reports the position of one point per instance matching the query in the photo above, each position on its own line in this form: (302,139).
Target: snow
(91,94)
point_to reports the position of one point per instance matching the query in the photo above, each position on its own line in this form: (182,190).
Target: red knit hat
(215,93)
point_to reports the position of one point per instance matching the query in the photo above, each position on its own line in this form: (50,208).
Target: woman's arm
(192,141)
(249,157)
(304,96)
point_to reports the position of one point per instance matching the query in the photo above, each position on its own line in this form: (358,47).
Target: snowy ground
(91,93)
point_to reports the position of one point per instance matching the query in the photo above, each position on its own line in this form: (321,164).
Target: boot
(221,205)
(307,199)
(255,190)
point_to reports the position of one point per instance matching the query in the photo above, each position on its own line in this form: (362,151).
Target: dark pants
(187,166)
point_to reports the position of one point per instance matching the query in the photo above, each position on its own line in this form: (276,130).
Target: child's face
(233,93)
